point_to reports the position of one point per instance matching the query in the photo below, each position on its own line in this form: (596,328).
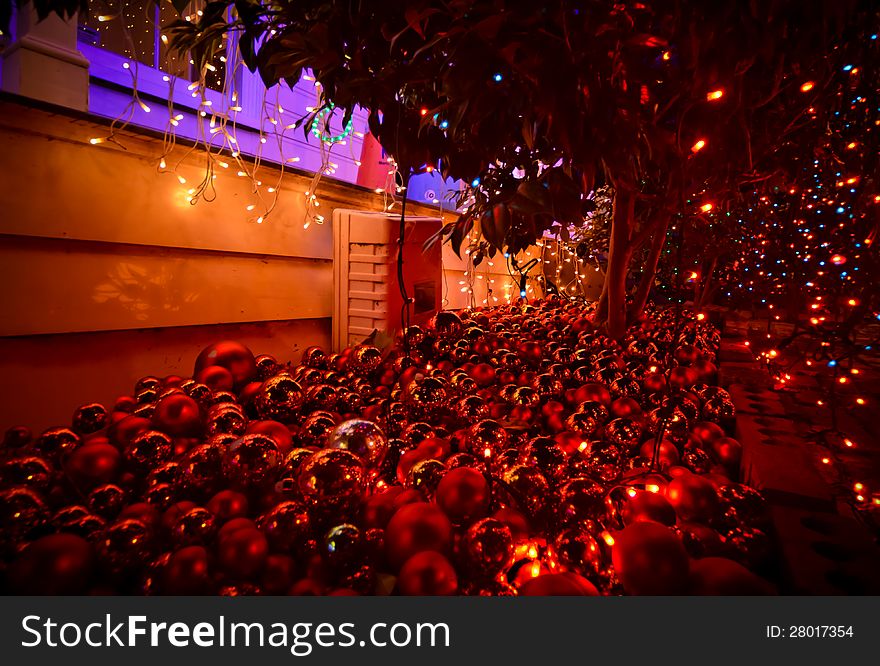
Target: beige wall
(109,274)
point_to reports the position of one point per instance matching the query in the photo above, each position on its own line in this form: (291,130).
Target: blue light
(847,68)
(832,363)
(475,182)
(444,124)
(522,294)
(840,209)
(497,78)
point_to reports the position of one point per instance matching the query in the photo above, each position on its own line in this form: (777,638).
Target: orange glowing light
(807,87)
(838,259)
(700,317)
(852,301)
(852,145)
(666,55)
(860,401)
(715,94)
(698,146)
(706,207)
(826,461)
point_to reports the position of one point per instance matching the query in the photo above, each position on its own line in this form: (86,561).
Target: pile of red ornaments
(511,450)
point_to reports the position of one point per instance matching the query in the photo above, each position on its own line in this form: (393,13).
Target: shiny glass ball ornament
(31,471)
(343,548)
(231,355)
(748,505)
(718,409)
(606,464)
(365,360)
(332,478)
(582,424)
(417,432)
(525,396)
(545,454)
(595,409)
(22,512)
(486,439)
(56,443)
(606,376)
(697,461)
(626,387)
(124,546)
(580,499)
(415,336)
(607,359)
(624,433)
(201,469)
(547,386)
(198,392)
(89,418)
(706,393)
(487,549)
(162,496)
(749,546)
(267,366)
(168,472)
(686,404)
(314,357)
(147,450)
(252,461)
(224,398)
(195,527)
(426,396)
(287,526)
(148,382)
(672,422)
(89,527)
(321,396)
(578,550)
(16,438)
(107,500)
(349,402)
(528,490)
(470,409)
(293,460)
(279,399)
(363,438)
(316,429)
(463,384)
(425,476)
(463,460)
(445,324)
(507,393)
(226,418)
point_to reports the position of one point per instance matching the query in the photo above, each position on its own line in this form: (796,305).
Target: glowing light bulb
(698,146)
(715,94)
(807,87)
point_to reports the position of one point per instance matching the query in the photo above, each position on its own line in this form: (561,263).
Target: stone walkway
(806,472)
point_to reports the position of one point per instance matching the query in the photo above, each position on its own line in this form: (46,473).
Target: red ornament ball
(427,573)
(416,527)
(463,494)
(650,559)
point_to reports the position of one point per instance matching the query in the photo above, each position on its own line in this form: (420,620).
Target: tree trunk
(640,299)
(602,307)
(707,283)
(618,260)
